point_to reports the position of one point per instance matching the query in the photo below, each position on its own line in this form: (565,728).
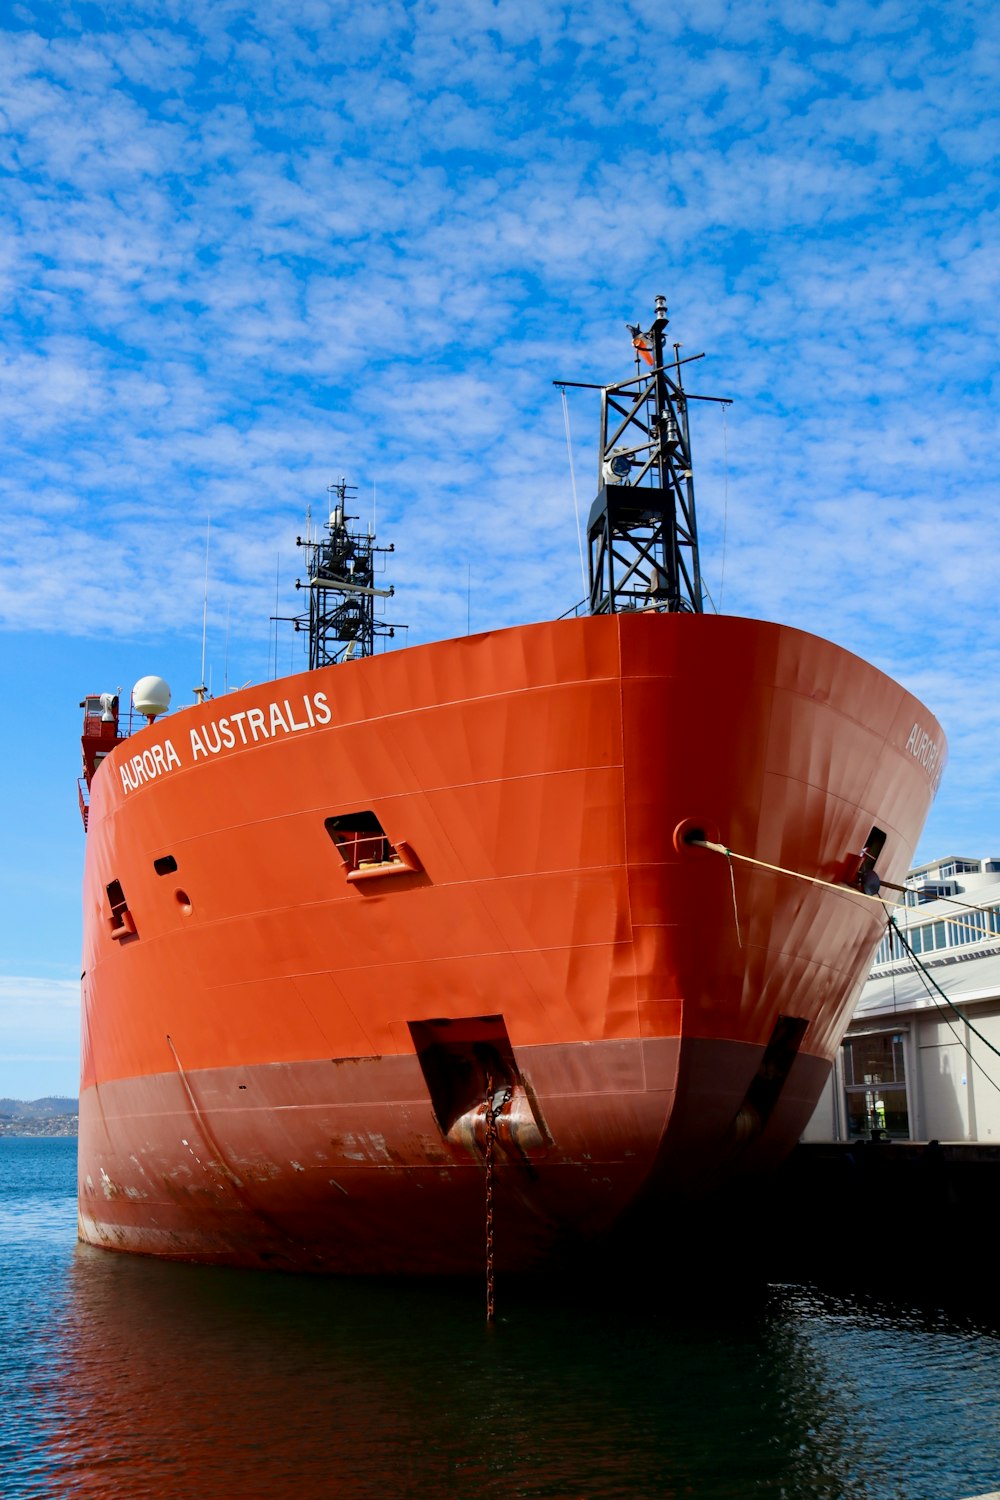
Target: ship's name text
(249,726)
(928,752)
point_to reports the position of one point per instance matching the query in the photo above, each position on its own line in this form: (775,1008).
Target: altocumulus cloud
(248,247)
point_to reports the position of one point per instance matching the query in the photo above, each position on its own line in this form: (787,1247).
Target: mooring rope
(762,864)
(963,923)
(929,978)
(736,910)
(835,886)
(946,900)
(885,885)
(959,1039)
(893,924)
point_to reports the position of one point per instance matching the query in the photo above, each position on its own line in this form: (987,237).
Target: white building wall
(984,1075)
(950,1095)
(825,1123)
(941,1084)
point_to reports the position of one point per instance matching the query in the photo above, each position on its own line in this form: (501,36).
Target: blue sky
(247,249)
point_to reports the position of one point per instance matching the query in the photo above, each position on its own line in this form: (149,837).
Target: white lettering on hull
(147,766)
(249,726)
(929,752)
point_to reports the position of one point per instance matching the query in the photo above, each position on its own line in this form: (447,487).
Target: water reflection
(178,1380)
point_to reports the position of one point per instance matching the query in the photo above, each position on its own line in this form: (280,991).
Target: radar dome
(151,696)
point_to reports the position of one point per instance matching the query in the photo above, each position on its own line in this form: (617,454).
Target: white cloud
(39,1036)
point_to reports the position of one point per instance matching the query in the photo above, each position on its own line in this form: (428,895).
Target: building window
(875,1085)
(889,949)
(968,929)
(929,892)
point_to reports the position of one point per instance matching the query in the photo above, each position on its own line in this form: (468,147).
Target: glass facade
(875,1085)
(972,926)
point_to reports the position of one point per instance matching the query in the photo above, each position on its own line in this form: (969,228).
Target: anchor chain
(493,1112)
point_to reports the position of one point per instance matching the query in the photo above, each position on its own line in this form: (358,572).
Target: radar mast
(341,569)
(642,533)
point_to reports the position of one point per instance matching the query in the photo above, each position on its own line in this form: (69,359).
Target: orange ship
(355,937)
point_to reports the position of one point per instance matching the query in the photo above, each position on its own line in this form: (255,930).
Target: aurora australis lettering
(247,726)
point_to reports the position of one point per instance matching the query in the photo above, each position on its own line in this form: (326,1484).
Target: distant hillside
(37,1109)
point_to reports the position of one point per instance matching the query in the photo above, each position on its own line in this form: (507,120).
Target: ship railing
(95,727)
(84,795)
(129,722)
(365,849)
(581,607)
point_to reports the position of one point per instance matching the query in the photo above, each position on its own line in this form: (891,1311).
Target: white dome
(151,696)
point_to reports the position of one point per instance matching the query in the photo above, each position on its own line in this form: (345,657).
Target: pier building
(916,1063)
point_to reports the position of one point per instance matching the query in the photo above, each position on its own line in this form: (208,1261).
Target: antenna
(725,503)
(200,691)
(572,481)
(277,575)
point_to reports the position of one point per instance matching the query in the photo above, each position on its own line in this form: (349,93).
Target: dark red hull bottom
(342,1167)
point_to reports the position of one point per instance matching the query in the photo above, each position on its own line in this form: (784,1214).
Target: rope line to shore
(835,885)
(888,885)
(924,973)
(929,979)
(748,859)
(736,910)
(927,983)
(762,864)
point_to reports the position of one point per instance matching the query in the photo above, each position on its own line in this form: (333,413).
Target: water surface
(126,1376)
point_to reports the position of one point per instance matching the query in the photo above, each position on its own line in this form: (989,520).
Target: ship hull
(288,1055)
(341,1166)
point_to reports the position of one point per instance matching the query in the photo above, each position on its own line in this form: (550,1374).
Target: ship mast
(642,534)
(340,568)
